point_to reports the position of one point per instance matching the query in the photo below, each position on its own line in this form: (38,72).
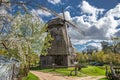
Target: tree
(25,39)
(26,35)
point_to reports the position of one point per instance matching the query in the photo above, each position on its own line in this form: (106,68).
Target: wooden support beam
(4,46)
(0,2)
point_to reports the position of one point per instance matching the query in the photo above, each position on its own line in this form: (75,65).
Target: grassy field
(88,71)
(104,79)
(94,71)
(31,77)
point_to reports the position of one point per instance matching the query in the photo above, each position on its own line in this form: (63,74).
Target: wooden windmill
(61,53)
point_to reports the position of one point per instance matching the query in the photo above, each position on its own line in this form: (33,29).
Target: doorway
(59,60)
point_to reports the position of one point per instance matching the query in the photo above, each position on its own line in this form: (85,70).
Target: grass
(103,79)
(88,71)
(31,77)
(94,71)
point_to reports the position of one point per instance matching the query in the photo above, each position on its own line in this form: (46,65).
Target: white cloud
(75,42)
(36,15)
(94,46)
(103,28)
(43,13)
(90,10)
(114,12)
(87,8)
(54,1)
(67,15)
(83,45)
(108,23)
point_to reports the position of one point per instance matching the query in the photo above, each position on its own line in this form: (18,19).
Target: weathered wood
(114,73)
(61,52)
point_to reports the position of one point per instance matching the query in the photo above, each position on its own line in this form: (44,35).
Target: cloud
(90,10)
(43,13)
(94,46)
(83,45)
(54,1)
(87,8)
(67,15)
(94,28)
(114,12)
(75,41)
(118,33)
(36,15)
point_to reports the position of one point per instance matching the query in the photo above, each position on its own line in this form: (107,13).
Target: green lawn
(104,79)
(94,71)
(90,70)
(31,77)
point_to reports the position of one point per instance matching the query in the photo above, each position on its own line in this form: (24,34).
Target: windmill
(61,52)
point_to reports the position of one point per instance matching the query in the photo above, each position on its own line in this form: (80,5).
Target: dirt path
(50,76)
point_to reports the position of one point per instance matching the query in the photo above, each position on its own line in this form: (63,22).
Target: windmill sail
(48,10)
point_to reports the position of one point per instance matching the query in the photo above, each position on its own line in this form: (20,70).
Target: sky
(99,19)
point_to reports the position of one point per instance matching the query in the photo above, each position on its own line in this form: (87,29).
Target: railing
(8,71)
(114,73)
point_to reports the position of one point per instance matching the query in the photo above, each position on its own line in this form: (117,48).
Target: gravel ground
(51,76)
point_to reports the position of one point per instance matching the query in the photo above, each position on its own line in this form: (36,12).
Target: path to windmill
(51,76)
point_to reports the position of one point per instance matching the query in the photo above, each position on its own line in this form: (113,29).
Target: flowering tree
(23,34)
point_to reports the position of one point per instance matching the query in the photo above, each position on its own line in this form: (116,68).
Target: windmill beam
(11,2)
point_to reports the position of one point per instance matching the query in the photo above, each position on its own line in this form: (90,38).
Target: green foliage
(32,59)
(31,77)
(82,57)
(46,44)
(99,56)
(3,52)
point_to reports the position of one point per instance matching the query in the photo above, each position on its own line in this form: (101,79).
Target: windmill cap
(55,22)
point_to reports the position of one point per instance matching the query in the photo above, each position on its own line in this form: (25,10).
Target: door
(59,60)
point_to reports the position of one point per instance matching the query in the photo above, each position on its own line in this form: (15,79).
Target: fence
(9,70)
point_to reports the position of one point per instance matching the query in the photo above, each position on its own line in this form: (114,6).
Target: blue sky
(99,19)
(57,5)
(71,5)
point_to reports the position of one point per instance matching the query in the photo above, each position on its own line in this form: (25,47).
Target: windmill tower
(62,51)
